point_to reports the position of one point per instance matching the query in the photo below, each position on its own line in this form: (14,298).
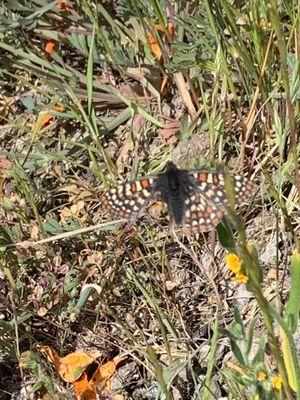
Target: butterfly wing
(130,198)
(212,185)
(206,199)
(203,194)
(201,214)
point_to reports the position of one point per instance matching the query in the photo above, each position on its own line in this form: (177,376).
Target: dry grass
(106,107)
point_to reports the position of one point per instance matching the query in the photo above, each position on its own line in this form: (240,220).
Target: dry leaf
(47,396)
(103,373)
(170,285)
(34,234)
(86,388)
(169,131)
(24,359)
(127,146)
(48,117)
(70,367)
(42,311)
(38,292)
(4,163)
(184,93)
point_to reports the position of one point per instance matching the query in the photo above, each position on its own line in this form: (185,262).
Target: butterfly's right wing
(206,199)
(129,199)
(212,185)
(201,214)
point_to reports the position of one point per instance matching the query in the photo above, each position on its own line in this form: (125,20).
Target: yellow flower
(241,278)
(261,376)
(233,262)
(277,382)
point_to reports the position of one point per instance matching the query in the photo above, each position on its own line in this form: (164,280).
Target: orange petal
(62,6)
(159,27)
(46,118)
(154,47)
(156,51)
(83,388)
(104,373)
(171,29)
(50,47)
(233,262)
(70,367)
(58,108)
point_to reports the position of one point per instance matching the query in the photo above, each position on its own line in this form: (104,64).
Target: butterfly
(195,199)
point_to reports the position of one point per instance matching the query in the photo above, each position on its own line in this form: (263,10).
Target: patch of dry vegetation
(94,94)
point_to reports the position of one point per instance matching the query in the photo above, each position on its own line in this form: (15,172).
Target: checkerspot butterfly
(196,199)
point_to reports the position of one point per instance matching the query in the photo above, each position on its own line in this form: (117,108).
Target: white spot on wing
(146,193)
(209,178)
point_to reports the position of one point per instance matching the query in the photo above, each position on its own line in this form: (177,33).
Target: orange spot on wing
(104,200)
(133,187)
(144,183)
(209,209)
(202,176)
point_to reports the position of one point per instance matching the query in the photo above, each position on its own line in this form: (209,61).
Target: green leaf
(225,235)
(238,319)
(211,362)
(293,304)
(52,226)
(28,102)
(250,335)
(237,352)
(261,352)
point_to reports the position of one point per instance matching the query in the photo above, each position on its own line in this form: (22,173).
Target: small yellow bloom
(261,376)
(277,382)
(233,262)
(241,278)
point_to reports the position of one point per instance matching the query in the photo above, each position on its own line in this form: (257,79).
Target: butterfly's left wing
(129,199)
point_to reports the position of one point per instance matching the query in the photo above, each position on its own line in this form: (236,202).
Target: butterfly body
(172,189)
(196,199)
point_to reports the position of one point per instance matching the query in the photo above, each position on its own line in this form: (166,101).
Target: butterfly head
(171,167)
